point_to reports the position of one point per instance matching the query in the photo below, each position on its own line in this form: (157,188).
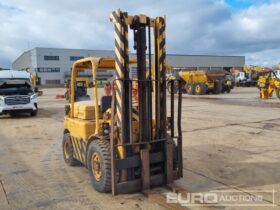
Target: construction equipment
(228,83)
(34,80)
(269,83)
(127,142)
(249,77)
(202,82)
(81,86)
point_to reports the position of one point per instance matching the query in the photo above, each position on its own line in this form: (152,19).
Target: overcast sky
(214,27)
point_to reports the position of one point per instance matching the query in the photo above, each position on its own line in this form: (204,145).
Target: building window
(74,58)
(133,72)
(56,69)
(53,82)
(51,58)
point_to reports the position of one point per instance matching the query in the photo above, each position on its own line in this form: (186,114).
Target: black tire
(228,90)
(33,113)
(278,93)
(218,87)
(101,148)
(190,88)
(184,87)
(200,89)
(68,151)
(175,87)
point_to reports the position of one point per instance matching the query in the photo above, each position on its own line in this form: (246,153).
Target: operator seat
(106,102)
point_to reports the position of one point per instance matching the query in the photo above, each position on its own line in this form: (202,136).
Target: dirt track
(231,142)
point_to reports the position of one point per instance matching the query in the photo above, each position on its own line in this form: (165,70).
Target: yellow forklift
(81,86)
(129,141)
(35,81)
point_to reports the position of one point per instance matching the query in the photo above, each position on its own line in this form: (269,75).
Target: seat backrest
(106,102)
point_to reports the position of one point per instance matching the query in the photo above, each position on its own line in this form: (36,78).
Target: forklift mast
(156,145)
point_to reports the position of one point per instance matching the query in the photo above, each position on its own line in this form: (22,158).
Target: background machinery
(249,77)
(269,83)
(34,80)
(126,141)
(202,82)
(81,86)
(228,83)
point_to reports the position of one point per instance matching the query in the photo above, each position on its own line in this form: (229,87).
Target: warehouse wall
(205,61)
(56,71)
(26,61)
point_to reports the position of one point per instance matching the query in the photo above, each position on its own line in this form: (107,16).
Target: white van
(17,93)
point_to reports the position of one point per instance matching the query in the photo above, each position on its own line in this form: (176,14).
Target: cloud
(193,27)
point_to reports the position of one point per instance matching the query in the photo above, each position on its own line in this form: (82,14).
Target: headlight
(34,96)
(106,128)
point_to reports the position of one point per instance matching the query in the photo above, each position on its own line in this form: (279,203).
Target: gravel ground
(231,142)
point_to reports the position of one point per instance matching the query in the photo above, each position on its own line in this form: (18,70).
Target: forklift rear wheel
(99,165)
(278,93)
(68,150)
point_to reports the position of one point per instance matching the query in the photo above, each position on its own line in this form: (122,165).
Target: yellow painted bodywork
(34,79)
(196,77)
(84,120)
(267,85)
(79,128)
(94,64)
(193,76)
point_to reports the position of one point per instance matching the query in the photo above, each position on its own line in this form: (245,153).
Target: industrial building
(53,65)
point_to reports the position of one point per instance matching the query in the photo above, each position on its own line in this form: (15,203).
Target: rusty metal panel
(169,162)
(145,172)
(112,146)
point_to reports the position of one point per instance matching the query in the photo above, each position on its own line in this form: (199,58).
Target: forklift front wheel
(99,165)
(68,150)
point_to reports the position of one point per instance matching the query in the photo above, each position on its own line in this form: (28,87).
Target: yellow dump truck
(203,82)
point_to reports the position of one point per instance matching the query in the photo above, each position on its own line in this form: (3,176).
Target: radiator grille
(17,100)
